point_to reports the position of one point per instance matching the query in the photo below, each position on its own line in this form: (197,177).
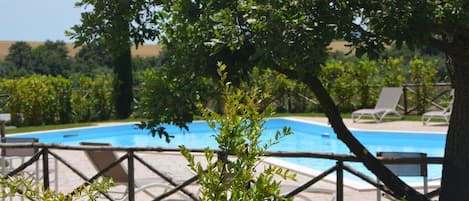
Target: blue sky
(37,20)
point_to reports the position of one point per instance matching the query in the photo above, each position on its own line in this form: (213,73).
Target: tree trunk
(396,185)
(455,179)
(122,84)
(122,61)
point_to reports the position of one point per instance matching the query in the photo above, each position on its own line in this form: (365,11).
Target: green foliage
(292,37)
(20,55)
(43,100)
(143,63)
(365,73)
(239,130)
(95,21)
(356,83)
(166,99)
(38,100)
(392,75)
(9,70)
(92,98)
(112,22)
(422,73)
(51,58)
(95,54)
(12,186)
(338,78)
(92,59)
(287,95)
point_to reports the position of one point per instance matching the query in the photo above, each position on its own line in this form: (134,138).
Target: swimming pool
(308,137)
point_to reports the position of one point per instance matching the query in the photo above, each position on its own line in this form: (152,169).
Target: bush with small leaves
(233,176)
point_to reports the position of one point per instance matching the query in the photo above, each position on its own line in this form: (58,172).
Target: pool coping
(359,129)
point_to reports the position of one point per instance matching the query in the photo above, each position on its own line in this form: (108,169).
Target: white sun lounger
(444,114)
(386,105)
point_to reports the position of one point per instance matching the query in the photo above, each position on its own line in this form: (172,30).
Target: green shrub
(39,99)
(422,73)
(356,84)
(392,75)
(238,130)
(10,186)
(365,81)
(337,78)
(286,94)
(45,100)
(92,98)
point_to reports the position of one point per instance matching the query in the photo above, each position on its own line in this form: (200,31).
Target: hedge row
(41,100)
(356,84)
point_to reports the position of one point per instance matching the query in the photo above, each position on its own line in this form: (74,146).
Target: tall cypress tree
(119,44)
(109,20)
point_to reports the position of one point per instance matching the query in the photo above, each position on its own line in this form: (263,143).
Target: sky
(37,20)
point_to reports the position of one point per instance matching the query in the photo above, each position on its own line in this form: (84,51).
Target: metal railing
(132,155)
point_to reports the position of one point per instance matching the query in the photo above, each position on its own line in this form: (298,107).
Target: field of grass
(142,51)
(339,46)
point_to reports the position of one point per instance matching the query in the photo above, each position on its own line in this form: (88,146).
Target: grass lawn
(46,127)
(62,126)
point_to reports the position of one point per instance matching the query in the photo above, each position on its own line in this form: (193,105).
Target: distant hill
(142,51)
(339,46)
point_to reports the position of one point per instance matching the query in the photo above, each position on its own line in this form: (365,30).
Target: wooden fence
(439,90)
(131,155)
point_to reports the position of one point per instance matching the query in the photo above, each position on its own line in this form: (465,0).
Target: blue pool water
(307,137)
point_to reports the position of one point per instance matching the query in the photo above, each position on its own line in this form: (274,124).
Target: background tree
(8,69)
(51,58)
(288,36)
(443,26)
(292,37)
(20,55)
(93,58)
(119,23)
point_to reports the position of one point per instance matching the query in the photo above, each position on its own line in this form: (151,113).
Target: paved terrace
(174,165)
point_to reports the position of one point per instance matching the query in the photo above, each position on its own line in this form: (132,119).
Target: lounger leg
(357,119)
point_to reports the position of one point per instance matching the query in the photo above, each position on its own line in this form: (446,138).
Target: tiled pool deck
(175,165)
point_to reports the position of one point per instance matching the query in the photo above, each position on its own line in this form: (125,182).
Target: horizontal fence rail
(44,153)
(440,89)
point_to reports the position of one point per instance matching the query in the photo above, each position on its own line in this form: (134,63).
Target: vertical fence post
(45,167)
(2,135)
(404,89)
(2,129)
(340,180)
(131,172)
